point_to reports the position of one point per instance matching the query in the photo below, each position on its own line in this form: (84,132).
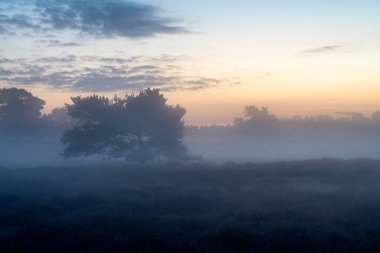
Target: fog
(39,151)
(284,144)
(261,136)
(127,175)
(288,140)
(145,129)
(281,147)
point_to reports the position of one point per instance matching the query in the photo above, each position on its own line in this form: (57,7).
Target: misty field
(309,206)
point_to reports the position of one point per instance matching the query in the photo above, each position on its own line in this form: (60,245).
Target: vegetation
(139,128)
(311,206)
(20,111)
(259,121)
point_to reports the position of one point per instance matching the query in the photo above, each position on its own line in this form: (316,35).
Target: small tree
(257,119)
(253,113)
(19,110)
(138,128)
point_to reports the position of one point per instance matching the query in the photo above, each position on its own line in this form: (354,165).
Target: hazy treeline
(262,136)
(259,121)
(144,128)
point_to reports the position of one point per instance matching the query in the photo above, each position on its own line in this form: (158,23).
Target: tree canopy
(139,128)
(255,118)
(19,109)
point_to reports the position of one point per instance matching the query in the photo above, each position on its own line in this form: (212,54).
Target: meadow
(325,205)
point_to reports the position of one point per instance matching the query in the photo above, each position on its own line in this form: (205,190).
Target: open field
(310,206)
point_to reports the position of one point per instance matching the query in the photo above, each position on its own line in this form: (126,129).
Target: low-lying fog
(143,128)
(222,144)
(281,146)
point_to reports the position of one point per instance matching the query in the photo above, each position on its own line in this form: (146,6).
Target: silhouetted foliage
(259,120)
(140,128)
(20,111)
(254,114)
(255,118)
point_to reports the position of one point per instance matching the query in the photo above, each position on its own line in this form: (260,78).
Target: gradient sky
(212,57)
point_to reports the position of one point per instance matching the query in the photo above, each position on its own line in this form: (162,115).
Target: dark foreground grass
(310,206)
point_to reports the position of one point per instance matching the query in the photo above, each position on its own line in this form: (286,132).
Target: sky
(212,57)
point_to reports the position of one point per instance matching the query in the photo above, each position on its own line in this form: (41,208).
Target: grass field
(308,206)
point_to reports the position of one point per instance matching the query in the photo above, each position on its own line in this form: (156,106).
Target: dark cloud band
(106,18)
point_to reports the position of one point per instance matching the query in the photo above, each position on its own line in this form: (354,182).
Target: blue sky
(296,57)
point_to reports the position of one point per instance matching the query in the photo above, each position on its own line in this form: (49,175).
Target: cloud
(325,49)
(58,43)
(8,24)
(144,68)
(103,82)
(106,74)
(5,72)
(95,18)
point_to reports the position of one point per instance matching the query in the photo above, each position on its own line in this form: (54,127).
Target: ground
(307,206)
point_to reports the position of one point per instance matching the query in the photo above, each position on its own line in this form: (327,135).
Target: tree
(254,113)
(138,128)
(19,109)
(257,119)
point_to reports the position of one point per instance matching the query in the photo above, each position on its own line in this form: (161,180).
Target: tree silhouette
(254,113)
(256,119)
(19,110)
(138,128)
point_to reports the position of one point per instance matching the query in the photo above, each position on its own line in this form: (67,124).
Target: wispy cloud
(71,72)
(57,43)
(324,49)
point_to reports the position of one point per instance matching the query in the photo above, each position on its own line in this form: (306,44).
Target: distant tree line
(144,128)
(258,120)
